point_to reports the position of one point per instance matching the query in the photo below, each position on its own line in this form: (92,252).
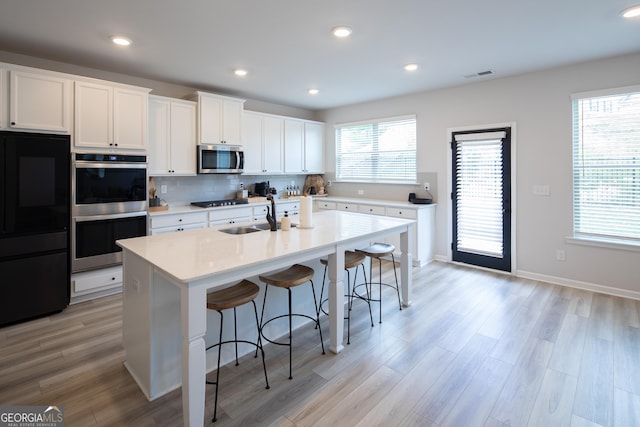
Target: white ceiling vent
(479,74)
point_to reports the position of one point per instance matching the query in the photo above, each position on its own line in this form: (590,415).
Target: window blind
(377,151)
(479,196)
(606,165)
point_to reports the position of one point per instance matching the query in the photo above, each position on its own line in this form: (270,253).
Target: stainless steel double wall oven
(109,202)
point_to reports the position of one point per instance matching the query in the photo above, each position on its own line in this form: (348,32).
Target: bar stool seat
(233,297)
(378,251)
(291,277)
(352,259)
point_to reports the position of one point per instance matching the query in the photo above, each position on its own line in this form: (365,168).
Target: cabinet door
(252,142)
(210,115)
(39,102)
(313,148)
(272,143)
(159,136)
(293,146)
(183,138)
(93,115)
(130,119)
(232,121)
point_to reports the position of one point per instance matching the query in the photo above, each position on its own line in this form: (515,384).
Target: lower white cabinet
(171,223)
(94,283)
(292,209)
(424,229)
(230,216)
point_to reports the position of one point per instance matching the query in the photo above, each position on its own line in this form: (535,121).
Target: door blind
(479,201)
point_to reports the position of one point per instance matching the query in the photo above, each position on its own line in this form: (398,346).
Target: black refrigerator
(35,187)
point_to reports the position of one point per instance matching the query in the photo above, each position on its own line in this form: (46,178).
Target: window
(606,165)
(377,151)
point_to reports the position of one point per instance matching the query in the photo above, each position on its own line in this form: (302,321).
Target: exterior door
(481,198)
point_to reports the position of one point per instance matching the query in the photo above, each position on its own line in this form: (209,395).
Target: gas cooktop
(217,203)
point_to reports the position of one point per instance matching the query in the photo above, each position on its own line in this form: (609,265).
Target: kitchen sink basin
(243,230)
(249,228)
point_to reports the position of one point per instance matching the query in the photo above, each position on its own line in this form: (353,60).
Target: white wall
(539,103)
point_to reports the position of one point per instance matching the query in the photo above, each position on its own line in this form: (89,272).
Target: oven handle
(96,165)
(109,216)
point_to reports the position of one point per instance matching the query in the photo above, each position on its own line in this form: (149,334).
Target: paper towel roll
(306,212)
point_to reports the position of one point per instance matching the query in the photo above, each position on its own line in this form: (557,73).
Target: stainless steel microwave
(220,158)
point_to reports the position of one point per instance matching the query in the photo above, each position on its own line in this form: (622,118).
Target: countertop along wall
(540,106)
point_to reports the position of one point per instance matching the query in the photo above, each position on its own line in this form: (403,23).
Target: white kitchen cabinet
(219,119)
(371,209)
(424,215)
(230,216)
(169,223)
(39,101)
(292,208)
(346,206)
(325,205)
(109,116)
(96,283)
(172,137)
(262,139)
(314,147)
(303,147)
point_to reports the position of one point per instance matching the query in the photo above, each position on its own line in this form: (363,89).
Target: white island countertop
(167,276)
(196,254)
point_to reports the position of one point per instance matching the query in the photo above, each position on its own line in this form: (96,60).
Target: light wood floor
(474,349)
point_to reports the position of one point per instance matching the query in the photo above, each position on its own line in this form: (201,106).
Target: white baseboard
(593,287)
(587,286)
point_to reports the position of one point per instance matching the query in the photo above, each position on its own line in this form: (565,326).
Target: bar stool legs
(378,251)
(289,278)
(351,259)
(233,297)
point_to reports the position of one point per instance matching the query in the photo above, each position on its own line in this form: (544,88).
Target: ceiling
(287,47)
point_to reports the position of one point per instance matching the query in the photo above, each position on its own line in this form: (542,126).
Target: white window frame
(580,236)
(375,178)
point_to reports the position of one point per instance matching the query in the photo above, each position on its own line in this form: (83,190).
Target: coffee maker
(261,188)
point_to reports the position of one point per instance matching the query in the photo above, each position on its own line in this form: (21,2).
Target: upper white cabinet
(109,116)
(303,147)
(262,140)
(39,101)
(172,137)
(219,119)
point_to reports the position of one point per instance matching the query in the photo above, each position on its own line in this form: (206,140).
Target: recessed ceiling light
(341,31)
(121,41)
(411,67)
(313,91)
(631,12)
(240,72)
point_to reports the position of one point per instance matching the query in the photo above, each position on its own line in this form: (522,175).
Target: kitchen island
(166,279)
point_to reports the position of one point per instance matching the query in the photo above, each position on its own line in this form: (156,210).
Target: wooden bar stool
(351,260)
(293,276)
(378,251)
(233,297)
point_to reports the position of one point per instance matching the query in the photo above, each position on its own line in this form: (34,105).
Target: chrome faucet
(271,217)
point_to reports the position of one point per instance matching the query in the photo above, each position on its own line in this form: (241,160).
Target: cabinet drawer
(373,210)
(178,219)
(230,214)
(176,228)
(352,207)
(98,279)
(402,213)
(326,205)
(289,207)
